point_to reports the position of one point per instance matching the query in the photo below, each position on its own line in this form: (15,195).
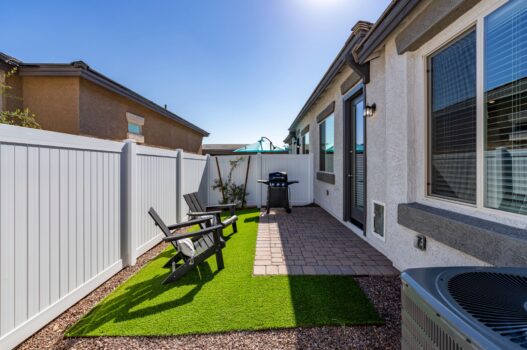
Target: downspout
(359,30)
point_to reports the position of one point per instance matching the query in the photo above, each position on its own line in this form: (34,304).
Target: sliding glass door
(355,164)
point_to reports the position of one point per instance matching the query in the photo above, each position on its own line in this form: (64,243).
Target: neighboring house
(442,151)
(73,98)
(222,149)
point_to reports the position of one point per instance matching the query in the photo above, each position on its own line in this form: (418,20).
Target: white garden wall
(59,224)
(74,211)
(156,188)
(193,178)
(297,166)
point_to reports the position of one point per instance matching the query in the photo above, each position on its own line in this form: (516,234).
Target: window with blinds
(506,108)
(305,143)
(453,117)
(327,144)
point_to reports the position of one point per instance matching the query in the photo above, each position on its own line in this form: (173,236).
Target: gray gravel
(384,292)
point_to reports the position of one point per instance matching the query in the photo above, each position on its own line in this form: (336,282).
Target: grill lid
(497,300)
(279,176)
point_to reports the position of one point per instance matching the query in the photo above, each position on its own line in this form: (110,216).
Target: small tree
(232,192)
(19,117)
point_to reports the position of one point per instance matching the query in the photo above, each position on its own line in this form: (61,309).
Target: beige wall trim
(136,138)
(135,119)
(326,112)
(385,25)
(326,177)
(305,130)
(350,82)
(432,20)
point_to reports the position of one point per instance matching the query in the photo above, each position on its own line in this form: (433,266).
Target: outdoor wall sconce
(369,110)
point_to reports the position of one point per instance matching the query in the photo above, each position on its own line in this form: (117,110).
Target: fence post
(311,172)
(206,174)
(179,185)
(259,176)
(129,196)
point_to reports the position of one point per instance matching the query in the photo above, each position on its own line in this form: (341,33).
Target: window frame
(477,21)
(428,70)
(320,123)
(303,135)
(140,133)
(136,120)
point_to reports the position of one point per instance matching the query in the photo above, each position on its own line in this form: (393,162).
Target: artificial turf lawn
(209,301)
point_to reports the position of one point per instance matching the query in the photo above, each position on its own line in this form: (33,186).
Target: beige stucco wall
(54,100)
(76,106)
(12,98)
(103,114)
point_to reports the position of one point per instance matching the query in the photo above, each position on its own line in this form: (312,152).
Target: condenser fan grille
(497,300)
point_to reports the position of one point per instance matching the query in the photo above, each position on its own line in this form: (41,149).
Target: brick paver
(309,241)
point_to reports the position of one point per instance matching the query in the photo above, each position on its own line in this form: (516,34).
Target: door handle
(350,175)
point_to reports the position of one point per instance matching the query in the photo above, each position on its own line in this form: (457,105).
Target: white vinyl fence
(193,178)
(59,225)
(74,211)
(297,166)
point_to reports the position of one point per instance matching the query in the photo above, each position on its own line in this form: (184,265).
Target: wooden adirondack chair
(197,209)
(207,242)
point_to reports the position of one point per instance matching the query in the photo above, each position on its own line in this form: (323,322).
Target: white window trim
(475,20)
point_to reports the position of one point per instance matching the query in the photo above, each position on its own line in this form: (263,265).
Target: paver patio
(309,241)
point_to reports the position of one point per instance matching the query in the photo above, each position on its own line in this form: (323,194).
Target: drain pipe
(359,31)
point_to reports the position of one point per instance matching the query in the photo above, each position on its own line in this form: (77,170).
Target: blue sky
(239,69)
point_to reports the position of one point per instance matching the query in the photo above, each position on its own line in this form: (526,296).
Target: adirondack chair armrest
(187,223)
(217,214)
(177,237)
(204,213)
(221,206)
(230,206)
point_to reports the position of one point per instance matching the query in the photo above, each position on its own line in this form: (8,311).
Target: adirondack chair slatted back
(206,243)
(159,222)
(193,202)
(195,206)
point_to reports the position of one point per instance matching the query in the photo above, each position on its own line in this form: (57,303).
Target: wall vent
(379,219)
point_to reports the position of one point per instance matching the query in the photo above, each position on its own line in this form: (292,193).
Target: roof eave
(330,73)
(390,19)
(343,58)
(83,71)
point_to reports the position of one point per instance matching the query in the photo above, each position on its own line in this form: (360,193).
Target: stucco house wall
(71,104)
(54,100)
(328,196)
(11,99)
(396,146)
(103,114)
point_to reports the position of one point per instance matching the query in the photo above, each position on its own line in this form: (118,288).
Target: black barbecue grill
(278,190)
